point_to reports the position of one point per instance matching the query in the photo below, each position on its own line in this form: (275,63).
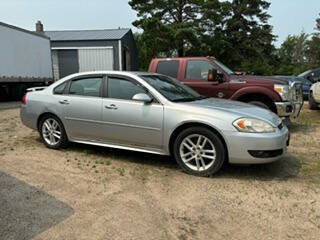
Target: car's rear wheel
(312,103)
(52,132)
(199,151)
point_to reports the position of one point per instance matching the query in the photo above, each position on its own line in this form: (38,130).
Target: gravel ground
(86,192)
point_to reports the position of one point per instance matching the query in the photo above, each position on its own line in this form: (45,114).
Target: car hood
(258,79)
(238,109)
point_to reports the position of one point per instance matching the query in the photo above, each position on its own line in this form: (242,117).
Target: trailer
(25,61)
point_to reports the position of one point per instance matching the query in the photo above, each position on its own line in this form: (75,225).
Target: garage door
(97,59)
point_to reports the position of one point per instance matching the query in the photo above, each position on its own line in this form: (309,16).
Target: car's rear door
(81,107)
(130,122)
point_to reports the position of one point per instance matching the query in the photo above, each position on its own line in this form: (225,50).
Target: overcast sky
(288,16)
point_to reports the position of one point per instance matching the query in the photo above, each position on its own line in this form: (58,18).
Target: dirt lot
(87,192)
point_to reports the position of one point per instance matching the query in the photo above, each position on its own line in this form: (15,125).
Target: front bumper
(293,107)
(285,109)
(257,148)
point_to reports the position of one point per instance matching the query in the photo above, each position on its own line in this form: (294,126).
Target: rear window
(169,68)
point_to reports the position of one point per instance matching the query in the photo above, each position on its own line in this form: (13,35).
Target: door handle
(65,102)
(112,107)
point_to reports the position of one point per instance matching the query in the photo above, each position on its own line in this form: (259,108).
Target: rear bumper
(257,148)
(27,118)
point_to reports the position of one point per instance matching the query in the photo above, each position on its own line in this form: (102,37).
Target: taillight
(24,99)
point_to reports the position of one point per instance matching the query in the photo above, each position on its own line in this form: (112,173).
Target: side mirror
(142,97)
(212,75)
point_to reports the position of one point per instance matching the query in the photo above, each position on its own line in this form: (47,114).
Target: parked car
(312,75)
(305,83)
(211,78)
(155,114)
(314,97)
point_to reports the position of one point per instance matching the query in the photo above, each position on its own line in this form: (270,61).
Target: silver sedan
(155,114)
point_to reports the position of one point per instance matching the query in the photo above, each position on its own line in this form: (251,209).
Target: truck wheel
(199,151)
(312,103)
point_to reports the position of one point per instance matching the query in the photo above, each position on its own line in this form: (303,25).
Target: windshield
(172,89)
(224,67)
(304,73)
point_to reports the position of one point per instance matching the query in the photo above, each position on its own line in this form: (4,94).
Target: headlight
(252,125)
(283,91)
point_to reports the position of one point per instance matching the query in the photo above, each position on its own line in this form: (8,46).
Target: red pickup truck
(211,78)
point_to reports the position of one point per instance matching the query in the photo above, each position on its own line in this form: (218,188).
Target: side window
(198,70)
(123,89)
(60,89)
(86,87)
(169,68)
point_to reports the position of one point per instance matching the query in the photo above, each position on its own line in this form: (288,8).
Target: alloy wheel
(197,152)
(51,131)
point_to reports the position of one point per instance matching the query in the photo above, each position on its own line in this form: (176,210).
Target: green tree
(145,53)
(318,24)
(170,26)
(238,34)
(313,52)
(293,54)
(235,32)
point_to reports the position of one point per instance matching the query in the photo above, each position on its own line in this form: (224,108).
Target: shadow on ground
(25,211)
(287,168)
(284,169)
(299,128)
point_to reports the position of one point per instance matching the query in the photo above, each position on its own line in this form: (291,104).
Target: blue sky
(288,16)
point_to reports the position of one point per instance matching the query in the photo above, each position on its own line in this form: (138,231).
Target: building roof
(23,30)
(83,35)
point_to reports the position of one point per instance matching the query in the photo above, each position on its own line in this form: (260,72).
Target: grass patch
(121,171)
(88,152)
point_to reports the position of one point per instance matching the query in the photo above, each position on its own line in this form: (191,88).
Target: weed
(108,162)
(144,179)
(87,152)
(121,171)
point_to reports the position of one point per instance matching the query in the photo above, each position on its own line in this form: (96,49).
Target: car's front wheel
(52,132)
(199,151)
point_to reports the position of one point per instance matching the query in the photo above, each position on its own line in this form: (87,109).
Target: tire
(199,165)
(54,139)
(312,103)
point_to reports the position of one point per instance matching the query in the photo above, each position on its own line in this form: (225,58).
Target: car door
(81,108)
(127,121)
(196,77)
